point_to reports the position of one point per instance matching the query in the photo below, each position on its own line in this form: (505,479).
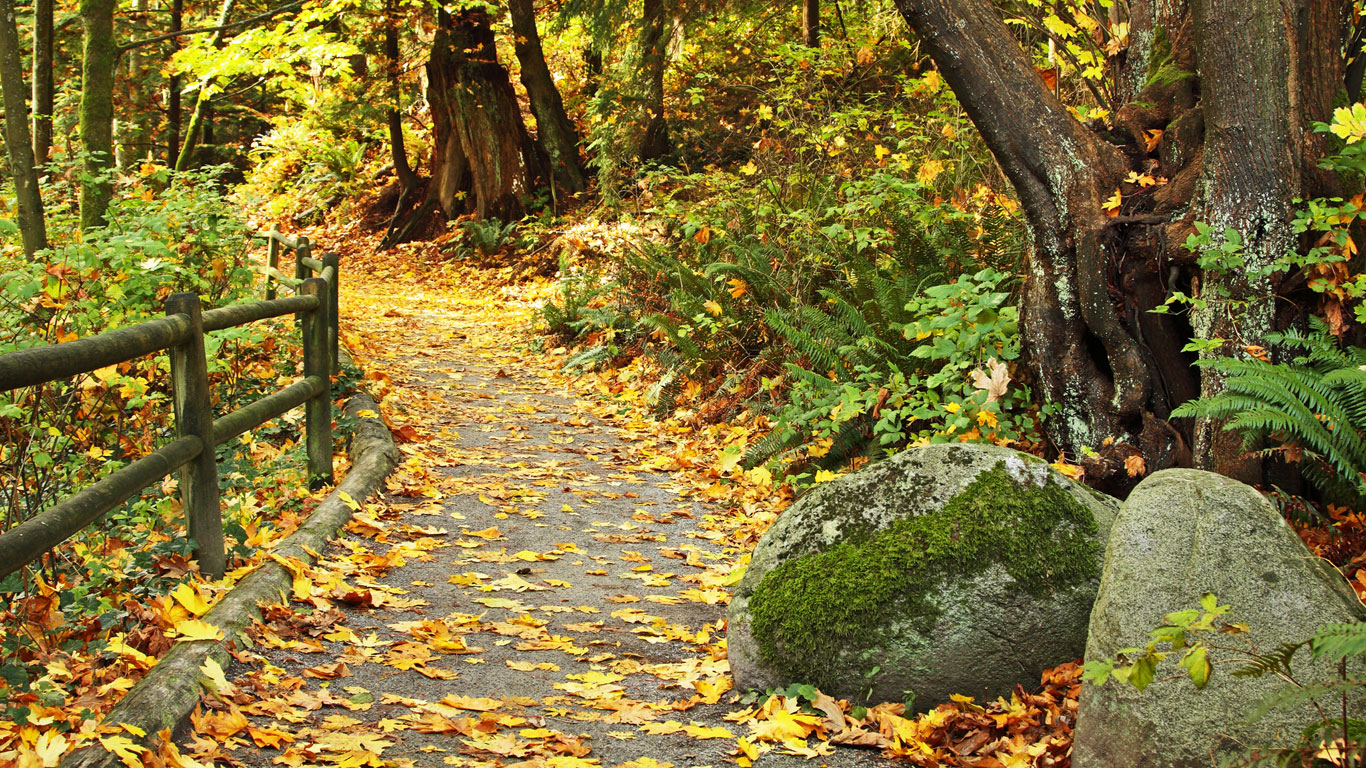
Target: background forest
(814,223)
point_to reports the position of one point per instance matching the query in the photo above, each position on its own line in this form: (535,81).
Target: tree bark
(97,109)
(32,228)
(132,132)
(553,126)
(651,50)
(479,140)
(42,79)
(173,117)
(202,95)
(1231,140)
(407,179)
(811,23)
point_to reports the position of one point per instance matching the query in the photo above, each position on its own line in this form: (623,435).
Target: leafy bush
(574,314)
(943,376)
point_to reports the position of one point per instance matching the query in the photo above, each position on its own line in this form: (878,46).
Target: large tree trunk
(553,126)
(1235,150)
(97,109)
(479,141)
(32,228)
(42,79)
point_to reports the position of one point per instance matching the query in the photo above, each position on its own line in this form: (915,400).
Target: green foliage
(576,311)
(1196,634)
(488,235)
(890,365)
(1179,632)
(1313,408)
(301,165)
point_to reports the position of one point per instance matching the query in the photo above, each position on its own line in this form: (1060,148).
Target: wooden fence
(197,432)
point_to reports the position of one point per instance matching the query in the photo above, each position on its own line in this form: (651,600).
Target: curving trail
(534,589)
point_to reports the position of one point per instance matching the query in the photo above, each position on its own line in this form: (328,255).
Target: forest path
(532,590)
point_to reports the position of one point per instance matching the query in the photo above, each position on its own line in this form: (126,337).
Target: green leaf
(1143,672)
(1097,672)
(1196,662)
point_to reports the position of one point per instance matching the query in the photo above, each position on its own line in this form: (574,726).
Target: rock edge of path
(166,695)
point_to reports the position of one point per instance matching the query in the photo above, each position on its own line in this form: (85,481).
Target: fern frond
(1339,641)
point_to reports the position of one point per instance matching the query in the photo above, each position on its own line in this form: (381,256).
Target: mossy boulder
(1182,533)
(946,569)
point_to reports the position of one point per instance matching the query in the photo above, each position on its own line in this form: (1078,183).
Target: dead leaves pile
(1032,729)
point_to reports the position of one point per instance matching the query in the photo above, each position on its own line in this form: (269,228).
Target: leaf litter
(542,584)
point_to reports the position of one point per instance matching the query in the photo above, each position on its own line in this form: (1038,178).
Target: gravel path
(529,593)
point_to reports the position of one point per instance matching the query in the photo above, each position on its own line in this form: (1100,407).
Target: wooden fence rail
(197,432)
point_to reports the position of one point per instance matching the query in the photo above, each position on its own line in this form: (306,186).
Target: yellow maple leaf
(1111,206)
(216,681)
(712,307)
(190,598)
(195,629)
(50,747)
(782,725)
(124,748)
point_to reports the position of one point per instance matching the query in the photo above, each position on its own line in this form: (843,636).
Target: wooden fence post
(194,418)
(334,310)
(272,264)
(318,410)
(302,251)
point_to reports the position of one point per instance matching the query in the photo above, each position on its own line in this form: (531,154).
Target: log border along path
(535,589)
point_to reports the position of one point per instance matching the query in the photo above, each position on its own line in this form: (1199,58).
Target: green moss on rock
(811,611)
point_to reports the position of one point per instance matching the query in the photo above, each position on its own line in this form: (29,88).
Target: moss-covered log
(163,698)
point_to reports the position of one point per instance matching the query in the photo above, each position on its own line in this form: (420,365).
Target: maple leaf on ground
(783,725)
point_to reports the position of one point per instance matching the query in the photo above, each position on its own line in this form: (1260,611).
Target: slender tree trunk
(32,228)
(1233,147)
(202,95)
(42,79)
(811,23)
(173,116)
(652,49)
(553,126)
(393,61)
(97,109)
(592,70)
(132,132)
(476,110)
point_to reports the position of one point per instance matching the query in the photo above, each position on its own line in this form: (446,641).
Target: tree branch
(221,28)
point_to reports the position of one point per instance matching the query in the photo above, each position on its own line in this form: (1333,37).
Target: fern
(1339,641)
(1313,408)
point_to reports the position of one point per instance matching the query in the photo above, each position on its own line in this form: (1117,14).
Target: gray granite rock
(1180,534)
(946,569)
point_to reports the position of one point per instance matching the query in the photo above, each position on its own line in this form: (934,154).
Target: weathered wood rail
(197,431)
